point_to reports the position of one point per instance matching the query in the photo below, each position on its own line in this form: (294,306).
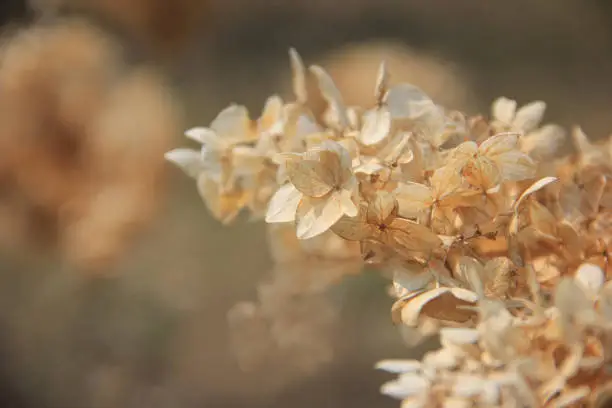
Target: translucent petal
(376,126)
(406,101)
(504,109)
(412,236)
(283,205)
(381,208)
(233,123)
(529,116)
(354,228)
(310,177)
(413,198)
(299,76)
(316,215)
(332,96)
(187,159)
(203,135)
(499,144)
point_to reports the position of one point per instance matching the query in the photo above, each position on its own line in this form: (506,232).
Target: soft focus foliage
(493,240)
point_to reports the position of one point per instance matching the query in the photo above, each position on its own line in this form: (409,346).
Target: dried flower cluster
(81,136)
(493,240)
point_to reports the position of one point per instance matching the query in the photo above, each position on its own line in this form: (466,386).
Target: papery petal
(272,113)
(381,208)
(399,366)
(376,126)
(544,143)
(299,76)
(499,144)
(441,303)
(203,135)
(316,215)
(413,236)
(354,228)
(529,116)
(283,204)
(233,124)
(333,97)
(310,177)
(413,198)
(504,109)
(187,159)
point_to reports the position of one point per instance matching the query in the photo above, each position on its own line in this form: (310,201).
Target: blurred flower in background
(81,136)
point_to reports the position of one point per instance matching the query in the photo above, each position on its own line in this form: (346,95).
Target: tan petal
(316,215)
(472,272)
(538,185)
(504,109)
(441,304)
(283,205)
(381,208)
(412,236)
(354,228)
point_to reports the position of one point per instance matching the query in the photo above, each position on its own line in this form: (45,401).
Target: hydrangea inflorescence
(494,240)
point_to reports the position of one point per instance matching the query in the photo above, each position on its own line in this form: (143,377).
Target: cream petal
(504,109)
(376,126)
(316,215)
(232,123)
(203,135)
(188,160)
(283,204)
(299,76)
(529,116)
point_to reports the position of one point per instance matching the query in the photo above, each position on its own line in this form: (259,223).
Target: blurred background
(115,283)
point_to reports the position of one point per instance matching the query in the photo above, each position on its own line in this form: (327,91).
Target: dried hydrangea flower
(492,241)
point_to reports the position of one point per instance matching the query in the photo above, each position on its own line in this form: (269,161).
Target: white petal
(203,135)
(407,385)
(591,277)
(529,116)
(283,205)
(187,159)
(503,109)
(299,76)
(232,123)
(399,366)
